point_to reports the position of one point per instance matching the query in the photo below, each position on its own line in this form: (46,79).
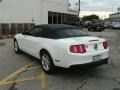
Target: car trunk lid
(91,43)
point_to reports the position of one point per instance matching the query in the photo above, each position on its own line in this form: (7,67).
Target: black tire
(16,47)
(94,29)
(101,30)
(89,29)
(48,63)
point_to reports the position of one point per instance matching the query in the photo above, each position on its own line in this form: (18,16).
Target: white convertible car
(63,46)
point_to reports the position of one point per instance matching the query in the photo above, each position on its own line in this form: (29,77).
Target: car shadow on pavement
(89,72)
(75,72)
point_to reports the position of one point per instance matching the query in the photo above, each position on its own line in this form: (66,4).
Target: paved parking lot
(22,72)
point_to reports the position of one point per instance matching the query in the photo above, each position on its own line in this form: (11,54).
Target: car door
(31,40)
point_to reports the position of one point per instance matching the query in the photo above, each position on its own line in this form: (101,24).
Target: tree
(90,17)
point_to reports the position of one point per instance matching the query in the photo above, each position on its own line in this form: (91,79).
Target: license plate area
(97,58)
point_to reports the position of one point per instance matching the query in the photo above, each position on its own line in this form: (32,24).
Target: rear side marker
(57,60)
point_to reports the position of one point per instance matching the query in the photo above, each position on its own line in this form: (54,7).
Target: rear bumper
(73,59)
(88,65)
(115,27)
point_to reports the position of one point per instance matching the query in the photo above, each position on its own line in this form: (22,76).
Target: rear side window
(47,34)
(35,32)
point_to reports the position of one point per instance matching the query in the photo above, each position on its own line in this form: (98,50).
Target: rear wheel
(101,30)
(47,63)
(16,47)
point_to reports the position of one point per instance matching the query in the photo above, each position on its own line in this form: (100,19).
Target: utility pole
(78,8)
(0,33)
(112,9)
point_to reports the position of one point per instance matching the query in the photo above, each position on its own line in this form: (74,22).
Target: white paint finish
(59,49)
(24,11)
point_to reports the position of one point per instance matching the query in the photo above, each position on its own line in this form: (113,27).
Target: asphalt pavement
(23,72)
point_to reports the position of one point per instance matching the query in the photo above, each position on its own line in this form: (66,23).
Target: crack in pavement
(112,65)
(15,78)
(116,88)
(13,87)
(14,84)
(82,85)
(113,79)
(84,81)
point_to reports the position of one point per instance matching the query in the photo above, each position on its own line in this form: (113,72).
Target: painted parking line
(32,68)
(43,80)
(24,68)
(41,77)
(18,81)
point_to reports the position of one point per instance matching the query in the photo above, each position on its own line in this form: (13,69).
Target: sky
(73,5)
(100,7)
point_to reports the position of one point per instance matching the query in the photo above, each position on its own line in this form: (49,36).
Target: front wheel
(47,63)
(16,47)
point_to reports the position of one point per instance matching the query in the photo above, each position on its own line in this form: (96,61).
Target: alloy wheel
(46,62)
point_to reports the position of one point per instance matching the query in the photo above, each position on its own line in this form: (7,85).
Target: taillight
(77,48)
(105,45)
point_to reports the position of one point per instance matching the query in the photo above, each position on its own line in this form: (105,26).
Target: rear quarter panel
(55,48)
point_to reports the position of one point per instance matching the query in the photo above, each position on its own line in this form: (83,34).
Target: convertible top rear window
(64,33)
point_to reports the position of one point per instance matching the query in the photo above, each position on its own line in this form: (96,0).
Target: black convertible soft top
(56,26)
(59,31)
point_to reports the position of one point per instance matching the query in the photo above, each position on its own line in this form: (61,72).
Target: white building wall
(30,11)
(55,6)
(115,15)
(16,11)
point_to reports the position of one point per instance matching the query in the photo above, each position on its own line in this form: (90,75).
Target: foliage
(90,17)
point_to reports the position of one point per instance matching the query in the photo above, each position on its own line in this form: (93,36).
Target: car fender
(50,51)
